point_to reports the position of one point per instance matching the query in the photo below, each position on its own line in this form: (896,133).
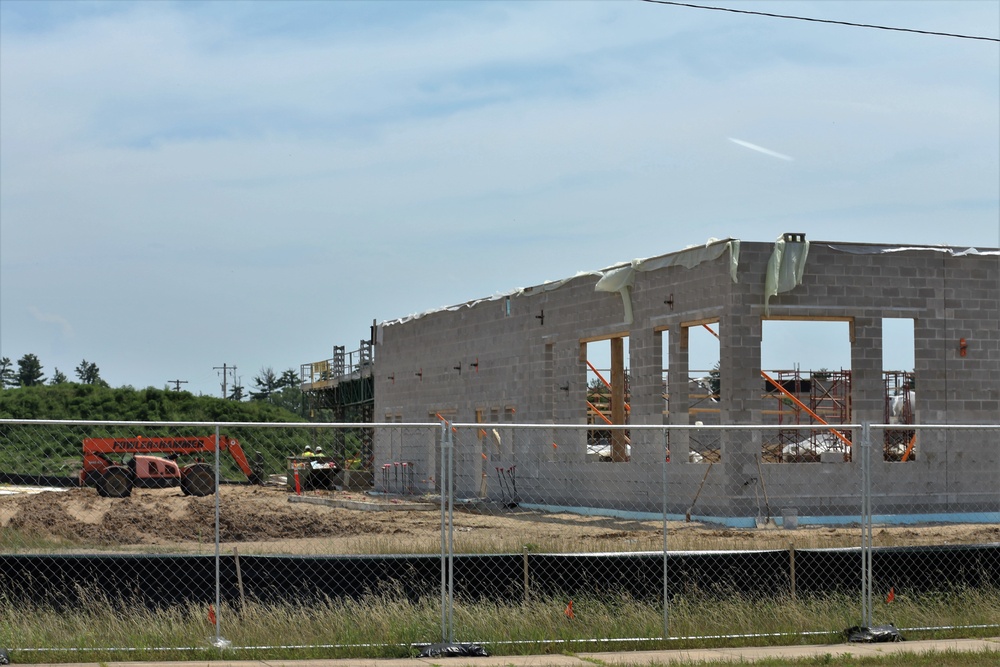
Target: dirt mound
(166,516)
(262,520)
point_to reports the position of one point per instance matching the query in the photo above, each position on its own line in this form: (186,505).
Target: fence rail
(283,535)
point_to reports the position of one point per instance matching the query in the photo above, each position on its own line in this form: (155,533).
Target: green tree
(29,371)
(237,393)
(88,372)
(58,377)
(7,377)
(290,378)
(267,383)
(290,399)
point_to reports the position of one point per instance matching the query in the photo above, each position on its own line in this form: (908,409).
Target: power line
(804,18)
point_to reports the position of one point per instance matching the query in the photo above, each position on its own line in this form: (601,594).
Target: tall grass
(103,628)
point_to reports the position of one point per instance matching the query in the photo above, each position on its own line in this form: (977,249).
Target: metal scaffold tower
(819,398)
(342,390)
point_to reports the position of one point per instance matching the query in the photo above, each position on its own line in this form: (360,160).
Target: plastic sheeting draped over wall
(622,278)
(785,268)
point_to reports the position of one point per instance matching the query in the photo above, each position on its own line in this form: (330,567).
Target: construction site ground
(270,520)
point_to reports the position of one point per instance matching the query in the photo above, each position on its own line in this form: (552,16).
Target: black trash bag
(877,634)
(4,657)
(453,651)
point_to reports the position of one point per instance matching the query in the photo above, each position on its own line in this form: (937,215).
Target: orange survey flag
(211,614)
(569,610)
(891,596)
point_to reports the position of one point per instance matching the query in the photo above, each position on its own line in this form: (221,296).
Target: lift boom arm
(169,445)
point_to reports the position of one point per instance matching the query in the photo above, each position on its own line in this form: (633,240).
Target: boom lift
(114,478)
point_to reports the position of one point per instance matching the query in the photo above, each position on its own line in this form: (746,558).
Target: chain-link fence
(375,538)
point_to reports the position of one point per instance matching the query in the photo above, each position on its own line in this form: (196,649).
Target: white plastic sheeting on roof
(547,286)
(788,260)
(872,249)
(621,279)
(617,278)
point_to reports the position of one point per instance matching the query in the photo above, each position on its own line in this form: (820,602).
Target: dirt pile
(166,516)
(262,520)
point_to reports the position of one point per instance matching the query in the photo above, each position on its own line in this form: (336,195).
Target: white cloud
(222,160)
(65,328)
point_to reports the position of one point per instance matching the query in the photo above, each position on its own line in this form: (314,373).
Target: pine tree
(266,383)
(29,371)
(88,372)
(7,376)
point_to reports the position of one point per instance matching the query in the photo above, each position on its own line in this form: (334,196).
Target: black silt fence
(160,581)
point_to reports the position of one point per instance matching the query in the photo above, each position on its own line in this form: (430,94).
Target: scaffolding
(900,392)
(817,398)
(341,389)
(601,412)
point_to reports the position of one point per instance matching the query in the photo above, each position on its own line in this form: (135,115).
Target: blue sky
(187,184)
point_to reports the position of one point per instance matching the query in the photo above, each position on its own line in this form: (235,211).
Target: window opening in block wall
(898,363)
(662,338)
(704,384)
(608,397)
(806,382)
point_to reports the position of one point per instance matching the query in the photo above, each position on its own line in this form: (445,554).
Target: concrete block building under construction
(521,358)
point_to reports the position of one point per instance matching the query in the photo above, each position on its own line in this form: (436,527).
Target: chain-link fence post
(446,484)
(663,509)
(866,525)
(449,492)
(219,642)
(444,541)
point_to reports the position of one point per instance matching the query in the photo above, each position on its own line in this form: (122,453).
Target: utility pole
(177,384)
(226,370)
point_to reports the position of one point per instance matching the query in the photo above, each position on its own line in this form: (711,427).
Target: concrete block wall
(520,362)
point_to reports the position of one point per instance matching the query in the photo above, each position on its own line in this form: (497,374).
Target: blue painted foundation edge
(751,522)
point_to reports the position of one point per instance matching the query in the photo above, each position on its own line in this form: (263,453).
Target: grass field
(104,629)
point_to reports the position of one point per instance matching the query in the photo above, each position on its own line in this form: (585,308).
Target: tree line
(28,395)
(269,386)
(29,373)
(45,450)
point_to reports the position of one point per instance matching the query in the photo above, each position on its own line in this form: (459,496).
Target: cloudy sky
(188,184)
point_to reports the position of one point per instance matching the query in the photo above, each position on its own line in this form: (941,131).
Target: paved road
(635,658)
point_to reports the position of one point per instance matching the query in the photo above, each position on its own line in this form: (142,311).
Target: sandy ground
(263,520)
